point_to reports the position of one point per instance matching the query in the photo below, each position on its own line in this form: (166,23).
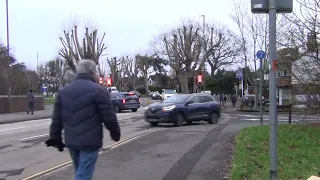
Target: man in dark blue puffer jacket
(81,109)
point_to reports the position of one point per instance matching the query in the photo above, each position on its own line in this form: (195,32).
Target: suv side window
(195,99)
(205,99)
(113,95)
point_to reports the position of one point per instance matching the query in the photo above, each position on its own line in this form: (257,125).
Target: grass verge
(298,153)
(49,101)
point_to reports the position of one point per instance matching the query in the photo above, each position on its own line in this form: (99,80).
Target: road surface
(163,153)
(22,149)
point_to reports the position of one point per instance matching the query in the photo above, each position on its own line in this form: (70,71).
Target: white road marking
(34,137)
(69,163)
(10,129)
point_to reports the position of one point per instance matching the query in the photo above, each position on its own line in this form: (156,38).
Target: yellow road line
(68,163)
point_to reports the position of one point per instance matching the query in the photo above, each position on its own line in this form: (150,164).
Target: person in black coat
(31,102)
(81,109)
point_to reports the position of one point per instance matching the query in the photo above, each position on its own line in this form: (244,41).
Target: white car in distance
(168,93)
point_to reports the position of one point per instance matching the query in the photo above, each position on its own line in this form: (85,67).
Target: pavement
(194,152)
(38,115)
(23,116)
(23,152)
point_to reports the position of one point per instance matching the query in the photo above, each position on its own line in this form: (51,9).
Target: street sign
(239,74)
(262,6)
(44,89)
(261,54)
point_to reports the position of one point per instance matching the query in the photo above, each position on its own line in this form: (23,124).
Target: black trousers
(30,107)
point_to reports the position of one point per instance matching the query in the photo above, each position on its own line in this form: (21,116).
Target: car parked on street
(182,108)
(155,95)
(125,101)
(249,100)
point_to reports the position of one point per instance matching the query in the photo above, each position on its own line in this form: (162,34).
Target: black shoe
(27,112)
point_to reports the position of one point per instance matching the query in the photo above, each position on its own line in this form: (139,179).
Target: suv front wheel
(214,118)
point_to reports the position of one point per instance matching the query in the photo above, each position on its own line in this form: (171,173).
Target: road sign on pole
(239,75)
(261,55)
(272,7)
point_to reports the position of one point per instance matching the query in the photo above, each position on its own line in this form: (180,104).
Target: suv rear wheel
(117,109)
(134,110)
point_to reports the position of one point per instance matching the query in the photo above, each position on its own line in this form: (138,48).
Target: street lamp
(8,56)
(204,34)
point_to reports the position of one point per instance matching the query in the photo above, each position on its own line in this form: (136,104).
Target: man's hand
(57,143)
(115,137)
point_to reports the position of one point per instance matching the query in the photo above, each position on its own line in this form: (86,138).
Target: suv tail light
(139,100)
(123,101)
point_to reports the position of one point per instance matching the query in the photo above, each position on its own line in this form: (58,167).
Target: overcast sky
(35,25)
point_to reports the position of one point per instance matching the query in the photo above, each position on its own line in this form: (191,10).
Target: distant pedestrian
(31,102)
(81,109)
(221,100)
(233,100)
(225,98)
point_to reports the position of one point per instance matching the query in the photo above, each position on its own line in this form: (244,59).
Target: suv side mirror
(189,102)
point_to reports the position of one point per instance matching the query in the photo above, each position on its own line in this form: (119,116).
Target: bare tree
(131,67)
(226,53)
(148,64)
(59,72)
(44,74)
(91,47)
(103,65)
(253,31)
(182,47)
(114,65)
(301,31)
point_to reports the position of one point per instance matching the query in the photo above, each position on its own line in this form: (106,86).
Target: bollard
(290,112)
(149,101)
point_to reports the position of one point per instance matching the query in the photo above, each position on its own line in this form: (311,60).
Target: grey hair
(86,66)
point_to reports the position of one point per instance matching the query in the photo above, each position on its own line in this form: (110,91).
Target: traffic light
(100,80)
(109,82)
(199,79)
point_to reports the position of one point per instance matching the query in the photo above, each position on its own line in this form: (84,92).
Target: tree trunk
(134,83)
(145,79)
(183,78)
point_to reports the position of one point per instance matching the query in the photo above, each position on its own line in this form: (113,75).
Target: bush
(153,88)
(142,90)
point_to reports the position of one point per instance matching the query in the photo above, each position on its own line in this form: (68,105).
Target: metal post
(37,62)
(204,34)
(242,87)
(272,91)
(260,91)
(8,56)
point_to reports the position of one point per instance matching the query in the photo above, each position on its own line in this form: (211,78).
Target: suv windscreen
(179,98)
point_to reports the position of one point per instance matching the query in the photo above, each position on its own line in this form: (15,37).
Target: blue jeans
(84,162)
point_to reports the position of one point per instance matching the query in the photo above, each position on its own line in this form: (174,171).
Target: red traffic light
(109,81)
(199,78)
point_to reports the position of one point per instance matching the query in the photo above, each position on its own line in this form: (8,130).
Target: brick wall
(19,104)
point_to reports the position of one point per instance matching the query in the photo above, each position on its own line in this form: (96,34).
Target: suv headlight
(168,108)
(146,108)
